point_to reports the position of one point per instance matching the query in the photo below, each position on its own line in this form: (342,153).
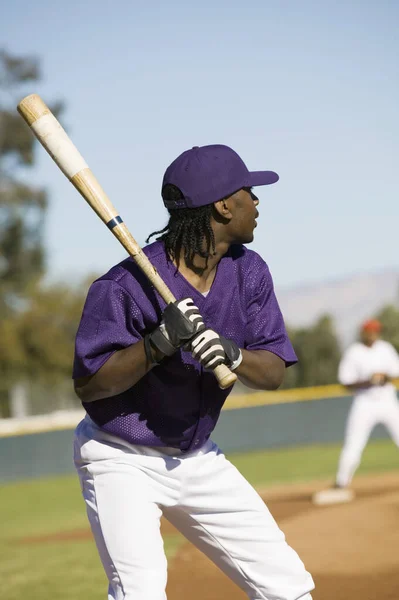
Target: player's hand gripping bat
(57,143)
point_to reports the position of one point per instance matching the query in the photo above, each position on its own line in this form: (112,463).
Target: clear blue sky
(309,89)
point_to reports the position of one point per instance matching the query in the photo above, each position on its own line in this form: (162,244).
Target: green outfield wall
(249,422)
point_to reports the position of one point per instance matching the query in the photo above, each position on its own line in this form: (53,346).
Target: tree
(39,343)
(389,318)
(22,207)
(318,354)
(22,214)
(47,330)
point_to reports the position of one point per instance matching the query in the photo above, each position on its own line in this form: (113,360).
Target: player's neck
(203,271)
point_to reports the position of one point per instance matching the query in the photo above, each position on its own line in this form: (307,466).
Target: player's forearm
(121,371)
(261,370)
(359,385)
(376,379)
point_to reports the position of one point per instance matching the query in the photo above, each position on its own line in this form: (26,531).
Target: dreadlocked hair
(188,231)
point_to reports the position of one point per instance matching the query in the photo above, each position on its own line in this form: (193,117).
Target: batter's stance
(142,373)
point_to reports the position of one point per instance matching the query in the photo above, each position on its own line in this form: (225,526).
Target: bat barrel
(62,150)
(32,108)
(51,135)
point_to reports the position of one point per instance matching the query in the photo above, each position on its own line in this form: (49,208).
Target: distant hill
(349,300)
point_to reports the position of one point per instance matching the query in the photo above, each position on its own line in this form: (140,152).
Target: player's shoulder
(354,349)
(384,346)
(246,259)
(249,270)
(128,275)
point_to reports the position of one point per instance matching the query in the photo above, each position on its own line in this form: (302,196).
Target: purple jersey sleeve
(265,325)
(110,322)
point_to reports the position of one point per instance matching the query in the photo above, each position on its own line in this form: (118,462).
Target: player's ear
(222,209)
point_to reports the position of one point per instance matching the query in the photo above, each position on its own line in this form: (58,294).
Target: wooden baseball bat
(62,150)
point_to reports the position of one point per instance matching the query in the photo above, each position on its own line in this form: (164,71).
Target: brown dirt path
(352,550)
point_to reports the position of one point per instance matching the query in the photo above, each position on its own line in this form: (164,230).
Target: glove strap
(236,363)
(160,339)
(148,351)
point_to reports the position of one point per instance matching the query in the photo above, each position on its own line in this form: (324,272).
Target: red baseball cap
(372,325)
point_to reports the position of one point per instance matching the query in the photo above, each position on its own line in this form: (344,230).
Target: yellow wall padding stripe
(319,392)
(45,423)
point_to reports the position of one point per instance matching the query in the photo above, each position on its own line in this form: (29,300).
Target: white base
(333,496)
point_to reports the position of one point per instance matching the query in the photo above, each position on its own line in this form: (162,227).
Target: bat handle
(225,377)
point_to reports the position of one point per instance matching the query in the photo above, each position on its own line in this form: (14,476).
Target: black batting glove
(211,350)
(181,320)
(232,352)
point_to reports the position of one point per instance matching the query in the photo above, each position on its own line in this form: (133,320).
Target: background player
(141,372)
(366,369)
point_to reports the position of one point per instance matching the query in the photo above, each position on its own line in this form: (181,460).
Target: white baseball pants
(364,415)
(127,488)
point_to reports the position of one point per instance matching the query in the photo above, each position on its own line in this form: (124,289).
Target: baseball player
(366,369)
(143,373)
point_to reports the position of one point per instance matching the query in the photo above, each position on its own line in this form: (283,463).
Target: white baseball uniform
(127,488)
(371,405)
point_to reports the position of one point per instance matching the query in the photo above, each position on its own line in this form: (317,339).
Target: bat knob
(225,377)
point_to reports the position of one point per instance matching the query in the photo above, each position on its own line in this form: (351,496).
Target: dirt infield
(351,549)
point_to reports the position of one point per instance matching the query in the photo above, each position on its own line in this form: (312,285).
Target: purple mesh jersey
(177,403)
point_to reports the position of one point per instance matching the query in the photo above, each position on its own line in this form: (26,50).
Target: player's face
(369,337)
(244,213)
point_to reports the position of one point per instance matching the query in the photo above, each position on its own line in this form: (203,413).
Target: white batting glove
(189,310)
(206,347)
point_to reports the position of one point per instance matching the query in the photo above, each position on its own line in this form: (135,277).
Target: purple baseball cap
(207,174)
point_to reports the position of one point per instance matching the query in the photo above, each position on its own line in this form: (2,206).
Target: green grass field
(62,570)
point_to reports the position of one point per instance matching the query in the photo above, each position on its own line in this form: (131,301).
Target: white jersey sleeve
(348,370)
(392,369)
